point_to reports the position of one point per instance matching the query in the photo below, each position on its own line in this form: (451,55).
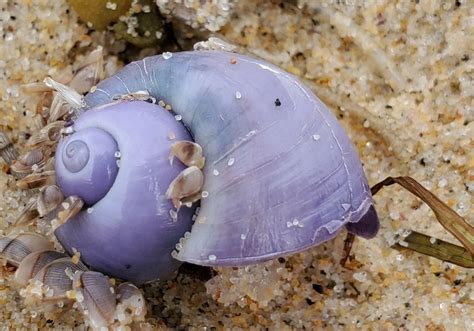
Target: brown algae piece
(100,13)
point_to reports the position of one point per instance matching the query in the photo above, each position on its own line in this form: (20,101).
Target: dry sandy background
(398,74)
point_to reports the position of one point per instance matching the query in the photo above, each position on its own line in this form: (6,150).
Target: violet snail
(268,164)
(280,173)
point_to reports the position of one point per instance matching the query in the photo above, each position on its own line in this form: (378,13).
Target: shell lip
(364,208)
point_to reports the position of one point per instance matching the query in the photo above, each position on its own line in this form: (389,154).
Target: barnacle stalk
(52,281)
(48,277)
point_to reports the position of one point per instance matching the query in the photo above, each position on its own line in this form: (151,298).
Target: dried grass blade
(448,218)
(439,249)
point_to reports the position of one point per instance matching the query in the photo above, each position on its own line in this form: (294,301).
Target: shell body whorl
(86,164)
(280,175)
(129,232)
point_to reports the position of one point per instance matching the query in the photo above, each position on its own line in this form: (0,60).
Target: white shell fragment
(167,55)
(58,109)
(188,152)
(89,72)
(214,43)
(136,96)
(186,187)
(36,87)
(73,98)
(15,247)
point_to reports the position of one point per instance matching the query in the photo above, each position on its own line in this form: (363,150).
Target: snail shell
(117,162)
(280,173)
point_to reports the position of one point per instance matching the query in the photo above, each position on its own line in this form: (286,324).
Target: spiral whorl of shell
(280,176)
(86,164)
(117,160)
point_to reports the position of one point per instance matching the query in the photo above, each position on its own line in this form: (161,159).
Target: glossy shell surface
(280,175)
(129,232)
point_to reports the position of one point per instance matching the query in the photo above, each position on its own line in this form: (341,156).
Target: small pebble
(230,162)
(238,95)
(111,5)
(212,257)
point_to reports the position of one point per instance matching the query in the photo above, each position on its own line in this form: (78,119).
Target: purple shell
(128,233)
(280,173)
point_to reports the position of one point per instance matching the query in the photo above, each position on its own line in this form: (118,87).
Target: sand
(399,76)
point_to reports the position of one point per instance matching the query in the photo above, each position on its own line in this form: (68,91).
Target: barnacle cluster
(50,280)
